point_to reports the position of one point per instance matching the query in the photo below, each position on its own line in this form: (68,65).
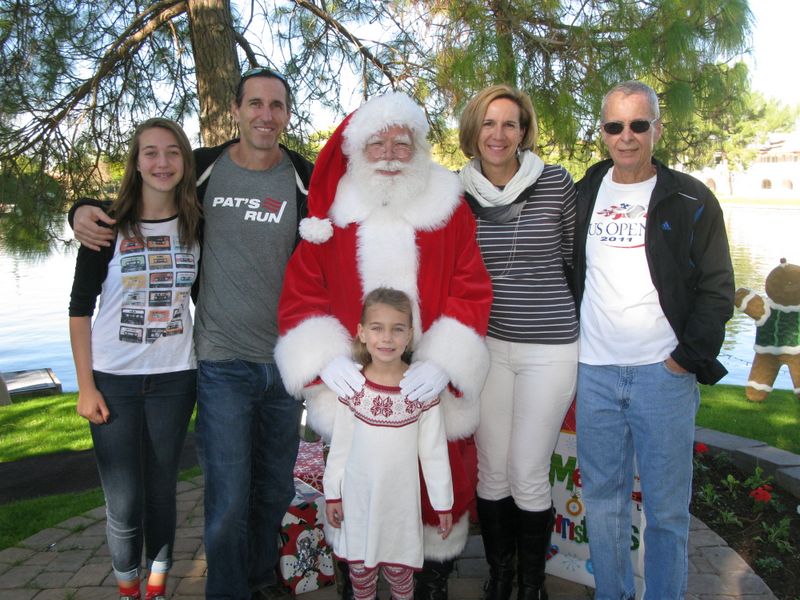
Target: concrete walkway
(71,561)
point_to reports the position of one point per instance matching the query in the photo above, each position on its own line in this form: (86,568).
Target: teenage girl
(379,440)
(136,365)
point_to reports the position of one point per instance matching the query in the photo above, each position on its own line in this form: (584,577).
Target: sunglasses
(637,126)
(262,71)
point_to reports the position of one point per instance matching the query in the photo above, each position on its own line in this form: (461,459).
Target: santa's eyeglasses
(382,149)
(637,126)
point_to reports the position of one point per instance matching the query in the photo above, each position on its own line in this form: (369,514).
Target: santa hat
(351,136)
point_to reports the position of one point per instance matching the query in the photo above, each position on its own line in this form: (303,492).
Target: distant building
(774,173)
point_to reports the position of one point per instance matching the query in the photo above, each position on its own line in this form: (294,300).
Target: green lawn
(42,426)
(776,421)
(20,520)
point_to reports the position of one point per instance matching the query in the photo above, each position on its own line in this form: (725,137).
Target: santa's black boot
(431,582)
(498,530)
(533,542)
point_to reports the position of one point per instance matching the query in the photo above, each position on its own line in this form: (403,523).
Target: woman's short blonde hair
(475,111)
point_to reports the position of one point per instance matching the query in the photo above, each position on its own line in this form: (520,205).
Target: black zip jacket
(689,260)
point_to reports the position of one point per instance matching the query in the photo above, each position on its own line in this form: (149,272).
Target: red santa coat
(426,248)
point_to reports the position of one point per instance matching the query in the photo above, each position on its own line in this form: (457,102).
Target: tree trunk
(216,67)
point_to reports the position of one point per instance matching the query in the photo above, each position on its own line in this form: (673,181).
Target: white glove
(423,381)
(343,376)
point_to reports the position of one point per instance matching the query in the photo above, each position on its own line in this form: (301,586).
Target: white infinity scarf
(487,194)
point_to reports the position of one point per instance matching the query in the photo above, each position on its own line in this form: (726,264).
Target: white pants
(527,393)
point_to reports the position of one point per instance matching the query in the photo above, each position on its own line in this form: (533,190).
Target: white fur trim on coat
(305,350)
(381,112)
(463,355)
(387,257)
(321,403)
(435,548)
(316,230)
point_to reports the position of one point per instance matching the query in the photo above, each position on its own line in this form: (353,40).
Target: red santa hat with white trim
(377,114)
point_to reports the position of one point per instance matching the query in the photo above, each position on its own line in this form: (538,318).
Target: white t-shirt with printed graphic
(143,324)
(622,322)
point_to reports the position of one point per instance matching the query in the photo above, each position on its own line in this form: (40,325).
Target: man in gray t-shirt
(248,239)
(254,193)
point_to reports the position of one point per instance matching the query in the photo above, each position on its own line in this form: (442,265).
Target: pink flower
(700,448)
(761,494)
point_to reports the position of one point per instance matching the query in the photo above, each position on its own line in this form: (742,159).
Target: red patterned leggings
(365,581)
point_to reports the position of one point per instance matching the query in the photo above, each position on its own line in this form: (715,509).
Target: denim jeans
(648,411)
(137,454)
(248,436)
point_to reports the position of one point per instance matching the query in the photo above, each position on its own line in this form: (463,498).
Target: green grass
(42,426)
(20,520)
(39,426)
(776,421)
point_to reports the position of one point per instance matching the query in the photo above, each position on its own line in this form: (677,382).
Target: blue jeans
(247,435)
(137,454)
(648,411)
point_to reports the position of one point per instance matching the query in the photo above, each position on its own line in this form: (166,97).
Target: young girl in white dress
(380,439)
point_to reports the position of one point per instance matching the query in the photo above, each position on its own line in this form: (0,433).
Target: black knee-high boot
(431,582)
(533,542)
(498,530)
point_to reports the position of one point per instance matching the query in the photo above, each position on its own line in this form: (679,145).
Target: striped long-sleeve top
(526,258)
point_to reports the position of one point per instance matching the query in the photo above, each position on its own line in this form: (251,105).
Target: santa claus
(383,214)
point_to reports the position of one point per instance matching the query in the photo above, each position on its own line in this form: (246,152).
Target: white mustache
(389,165)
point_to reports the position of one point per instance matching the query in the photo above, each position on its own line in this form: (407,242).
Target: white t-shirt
(143,325)
(622,322)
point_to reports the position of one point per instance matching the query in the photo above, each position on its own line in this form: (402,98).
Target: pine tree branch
(124,45)
(335,24)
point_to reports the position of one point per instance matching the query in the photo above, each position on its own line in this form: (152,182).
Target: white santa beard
(408,181)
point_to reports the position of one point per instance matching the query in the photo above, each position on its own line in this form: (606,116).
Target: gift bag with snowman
(306,560)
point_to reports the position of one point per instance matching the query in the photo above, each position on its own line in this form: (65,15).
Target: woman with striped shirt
(525,212)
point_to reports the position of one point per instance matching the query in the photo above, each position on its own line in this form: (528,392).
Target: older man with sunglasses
(253,192)
(654,287)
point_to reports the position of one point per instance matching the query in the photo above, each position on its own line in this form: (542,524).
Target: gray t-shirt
(250,229)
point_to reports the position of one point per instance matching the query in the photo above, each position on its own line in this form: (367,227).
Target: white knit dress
(380,440)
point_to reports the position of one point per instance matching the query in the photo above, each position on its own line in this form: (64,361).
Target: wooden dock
(33,382)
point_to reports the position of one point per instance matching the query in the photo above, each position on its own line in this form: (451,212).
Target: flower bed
(756,517)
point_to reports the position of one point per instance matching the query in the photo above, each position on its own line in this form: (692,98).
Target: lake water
(34,296)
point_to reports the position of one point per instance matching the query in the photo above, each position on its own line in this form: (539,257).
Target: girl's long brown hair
(390,297)
(127,208)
